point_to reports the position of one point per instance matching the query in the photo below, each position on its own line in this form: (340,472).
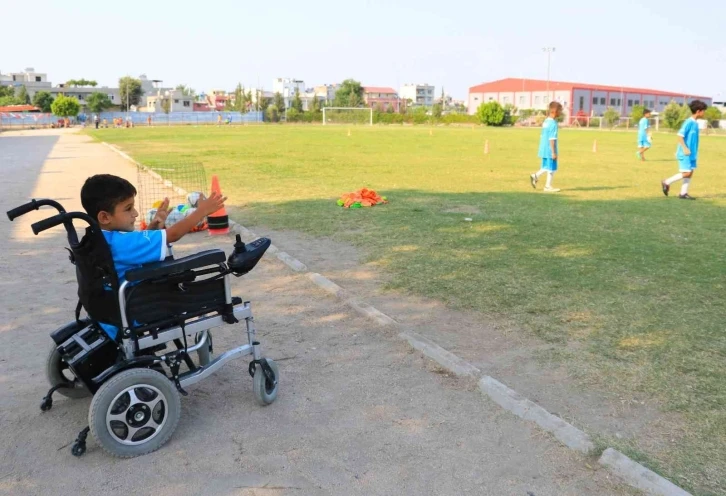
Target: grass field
(609,267)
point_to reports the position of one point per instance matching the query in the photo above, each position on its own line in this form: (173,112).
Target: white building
(177,102)
(287,88)
(419,94)
(33,81)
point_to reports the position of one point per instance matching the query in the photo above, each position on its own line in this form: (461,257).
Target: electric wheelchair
(163,313)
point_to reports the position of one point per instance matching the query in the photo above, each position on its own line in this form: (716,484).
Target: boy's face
(699,114)
(122,218)
(556,112)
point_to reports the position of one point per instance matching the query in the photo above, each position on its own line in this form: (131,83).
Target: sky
(667,45)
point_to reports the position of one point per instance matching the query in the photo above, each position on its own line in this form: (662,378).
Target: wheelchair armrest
(167,267)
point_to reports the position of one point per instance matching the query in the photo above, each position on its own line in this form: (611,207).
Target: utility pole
(549,51)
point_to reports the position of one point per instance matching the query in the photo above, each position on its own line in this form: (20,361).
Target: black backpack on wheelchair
(162,313)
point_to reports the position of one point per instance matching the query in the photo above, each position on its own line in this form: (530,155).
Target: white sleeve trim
(681,135)
(164,251)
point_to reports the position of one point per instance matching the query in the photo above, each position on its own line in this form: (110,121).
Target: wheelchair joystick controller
(245,256)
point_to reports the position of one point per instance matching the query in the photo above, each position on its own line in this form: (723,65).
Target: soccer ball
(194,197)
(150,215)
(174,217)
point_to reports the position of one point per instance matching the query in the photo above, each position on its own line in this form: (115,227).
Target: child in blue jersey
(687,151)
(548,148)
(110,200)
(644,137)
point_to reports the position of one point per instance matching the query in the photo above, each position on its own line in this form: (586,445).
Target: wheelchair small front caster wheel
(265,389)
(46,404)
(78,448)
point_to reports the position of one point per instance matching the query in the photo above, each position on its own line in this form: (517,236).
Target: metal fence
(13,120)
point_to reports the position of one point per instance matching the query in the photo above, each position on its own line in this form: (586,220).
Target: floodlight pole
(549,51)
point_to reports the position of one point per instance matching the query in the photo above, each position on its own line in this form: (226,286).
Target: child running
(644,137)
(687,152)
(548,149)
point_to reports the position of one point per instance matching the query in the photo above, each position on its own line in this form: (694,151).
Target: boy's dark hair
(697,105)
(102,192)
(647,111)
(555,105)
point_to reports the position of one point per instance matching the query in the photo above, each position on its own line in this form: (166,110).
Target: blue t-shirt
(549,133)
(643,126)
(689,133)
(131,250)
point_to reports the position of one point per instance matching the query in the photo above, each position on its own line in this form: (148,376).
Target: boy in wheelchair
(138,300)
(110,200)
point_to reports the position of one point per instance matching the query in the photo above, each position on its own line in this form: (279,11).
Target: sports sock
(673,179)
(549,179)
(539,173)
(684,185)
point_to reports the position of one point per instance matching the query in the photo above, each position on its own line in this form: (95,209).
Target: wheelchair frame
(87,350)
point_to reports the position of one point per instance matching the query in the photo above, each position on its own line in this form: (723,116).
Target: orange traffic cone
(486,147)
(594,146)
(219,221)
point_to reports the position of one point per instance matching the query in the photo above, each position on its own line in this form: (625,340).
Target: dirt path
(358,411)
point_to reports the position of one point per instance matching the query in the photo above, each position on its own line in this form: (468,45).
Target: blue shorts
(549,164)
(643,143)
(686,164)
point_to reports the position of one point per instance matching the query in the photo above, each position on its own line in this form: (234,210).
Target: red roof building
(19,108)
(386,97)
(576,98)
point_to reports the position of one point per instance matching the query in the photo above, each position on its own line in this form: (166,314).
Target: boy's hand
(210,205)
(686,151)
(554,156)
(161,214)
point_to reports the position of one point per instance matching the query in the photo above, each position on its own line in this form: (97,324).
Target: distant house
(386,97)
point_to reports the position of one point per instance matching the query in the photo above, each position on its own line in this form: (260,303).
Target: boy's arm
(681,141)
(204,207)
(553,140)
(160,218)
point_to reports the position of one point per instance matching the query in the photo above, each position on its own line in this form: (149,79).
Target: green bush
(491,114)
(675,115)
(594,122)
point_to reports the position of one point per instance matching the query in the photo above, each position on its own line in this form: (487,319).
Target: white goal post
(347,115)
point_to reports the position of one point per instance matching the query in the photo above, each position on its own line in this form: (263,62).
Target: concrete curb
(509,399)
(638,476)
(445,358)
(620,465)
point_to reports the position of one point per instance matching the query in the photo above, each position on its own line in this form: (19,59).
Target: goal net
(347,115)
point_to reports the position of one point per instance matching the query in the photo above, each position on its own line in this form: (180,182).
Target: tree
(8,100)
(248,98)
(239,98)
(97,102)
(65,106)
(491,113)
(443,98)
(712,114)
(262,101)
(437,110)
(297,103)
(23,96)
(81,82)
(186,90)
(166,105)
(272,113)
(350,94)
(130,91)
(611,117)
(293,115)
(314,105)
(675,115)
(637,113)
(510,114)
(7,91)
(228,104)
(278,101)
(43,100)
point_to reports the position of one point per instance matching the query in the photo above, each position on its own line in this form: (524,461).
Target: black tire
(58,372)
(265,392)
(157,423)
(205,352)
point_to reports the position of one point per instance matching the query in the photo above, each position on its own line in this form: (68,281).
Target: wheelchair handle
(45,224)
(33,205)
(65,218)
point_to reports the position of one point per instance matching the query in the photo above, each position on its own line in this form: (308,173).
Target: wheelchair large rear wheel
(57,372)
(134,413)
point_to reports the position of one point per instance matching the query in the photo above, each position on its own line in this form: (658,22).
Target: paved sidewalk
(358,411)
